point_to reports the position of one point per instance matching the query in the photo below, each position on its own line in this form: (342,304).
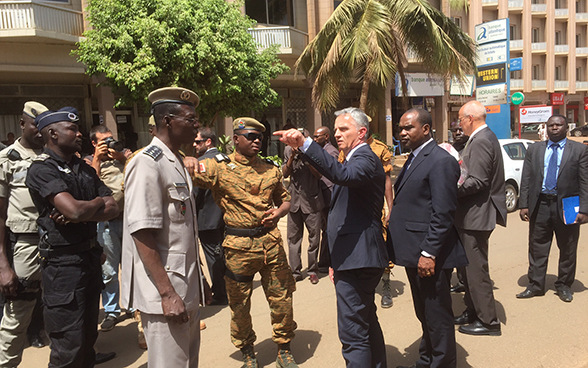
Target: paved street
(540,332)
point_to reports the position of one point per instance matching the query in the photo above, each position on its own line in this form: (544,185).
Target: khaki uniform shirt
(22,213)
(111,173)
(244,188)
(158,197)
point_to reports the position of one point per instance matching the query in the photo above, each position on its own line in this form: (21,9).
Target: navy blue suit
(422,220)
(357,249)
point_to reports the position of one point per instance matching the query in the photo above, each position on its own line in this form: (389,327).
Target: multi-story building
(36,38)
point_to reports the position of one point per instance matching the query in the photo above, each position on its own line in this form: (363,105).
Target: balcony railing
(489,1)
(539,84)
(516,44)
(561,48)
(516,83)
(581,85)
(290,40)
(539,8)
(581,51)
(561,12)
(32,18)
(515,4)
(562,84)
(538,46)
(582,16)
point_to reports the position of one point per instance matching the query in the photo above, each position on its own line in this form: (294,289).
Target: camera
(114,144)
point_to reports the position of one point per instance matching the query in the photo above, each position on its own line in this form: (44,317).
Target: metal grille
(296,111)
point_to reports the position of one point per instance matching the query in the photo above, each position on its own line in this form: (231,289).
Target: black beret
(69,114)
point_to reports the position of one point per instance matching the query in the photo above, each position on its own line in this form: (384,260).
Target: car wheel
(511,197)
(577,133)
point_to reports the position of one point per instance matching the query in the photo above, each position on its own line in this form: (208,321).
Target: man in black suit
(211,227)
(354,229)
(423,237)
(553,169)
(481,205)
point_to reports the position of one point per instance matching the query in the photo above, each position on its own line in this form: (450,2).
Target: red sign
(557,98)
(585,103)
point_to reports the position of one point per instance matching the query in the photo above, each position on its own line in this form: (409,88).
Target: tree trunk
(365,88)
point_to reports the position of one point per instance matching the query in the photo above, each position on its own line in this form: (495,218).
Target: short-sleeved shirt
(49,175)
(244,188)
(14,164)
(158,197)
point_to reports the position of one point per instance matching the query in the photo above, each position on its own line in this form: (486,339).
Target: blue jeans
(110,238)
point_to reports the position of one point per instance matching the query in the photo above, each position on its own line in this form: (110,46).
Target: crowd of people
(69,223)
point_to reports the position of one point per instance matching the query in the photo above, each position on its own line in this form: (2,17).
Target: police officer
(70,199)
(251,194)
(21,282)
(161,273)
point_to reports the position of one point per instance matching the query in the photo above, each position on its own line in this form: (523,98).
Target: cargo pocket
(59,288)
(175,266)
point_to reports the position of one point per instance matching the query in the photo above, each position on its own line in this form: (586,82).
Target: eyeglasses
(459,120)
(318,135)
(198,141)
(251,136)
(189,120)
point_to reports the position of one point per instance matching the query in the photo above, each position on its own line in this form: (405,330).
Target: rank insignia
(183,208)
(241,124)
(231,166)
(185,95)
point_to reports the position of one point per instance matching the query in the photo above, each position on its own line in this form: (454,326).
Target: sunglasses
(317,136)
(251,136)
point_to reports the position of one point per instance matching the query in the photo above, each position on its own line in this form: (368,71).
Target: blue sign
(516,64)
(499,122)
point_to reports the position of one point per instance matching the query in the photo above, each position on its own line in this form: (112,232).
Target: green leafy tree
(141,45)
(367,40)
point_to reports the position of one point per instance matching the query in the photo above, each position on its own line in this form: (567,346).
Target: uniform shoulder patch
(270,161)
(42,157)
(222,157)
(13,155)
(153,151)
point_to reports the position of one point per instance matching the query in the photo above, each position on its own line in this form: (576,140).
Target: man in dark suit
(354,228)
(481,205)
(423,237)
(554,169)
(211,227)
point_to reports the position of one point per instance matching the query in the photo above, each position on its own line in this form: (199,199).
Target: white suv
(513,155)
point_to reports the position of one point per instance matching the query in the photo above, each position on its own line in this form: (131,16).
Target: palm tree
(367,41)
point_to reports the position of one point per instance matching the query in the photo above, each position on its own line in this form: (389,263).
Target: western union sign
(492,74)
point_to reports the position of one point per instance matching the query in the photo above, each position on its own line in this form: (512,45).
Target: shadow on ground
(577,286)
(411,354)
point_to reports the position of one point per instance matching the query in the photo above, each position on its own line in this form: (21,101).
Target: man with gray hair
(354,228)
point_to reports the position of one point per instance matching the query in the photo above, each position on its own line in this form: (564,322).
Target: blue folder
(571,208)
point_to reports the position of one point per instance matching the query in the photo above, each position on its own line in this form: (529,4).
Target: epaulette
(42,157)
(153,151)
(270,161)
(13,155)
(222,157)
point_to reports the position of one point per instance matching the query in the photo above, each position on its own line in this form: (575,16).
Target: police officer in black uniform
(70,199)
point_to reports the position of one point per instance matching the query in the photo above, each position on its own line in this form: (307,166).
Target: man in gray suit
(211,227)
(481,205)
(553,170)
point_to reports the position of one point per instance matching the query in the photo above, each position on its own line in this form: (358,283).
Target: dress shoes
(36,340)
(565,294)
(477,328)
(459,288)
(527,294)
(465,318)
(104,357)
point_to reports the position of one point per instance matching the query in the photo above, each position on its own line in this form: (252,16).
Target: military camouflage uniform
(244,189)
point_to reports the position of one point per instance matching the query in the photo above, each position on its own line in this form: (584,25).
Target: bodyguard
(70,199)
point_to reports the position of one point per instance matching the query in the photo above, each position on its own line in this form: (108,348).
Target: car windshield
(516,151)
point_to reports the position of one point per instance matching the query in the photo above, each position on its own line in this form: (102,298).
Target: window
(558,73)
(535,35)
(518,74)
(513,32)
(559,4)
(457,21)
(276,12)
(579,74)
(558,38)
(536,72)
(579,40)
(516,151)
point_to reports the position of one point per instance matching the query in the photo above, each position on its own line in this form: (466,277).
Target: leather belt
(47,252)
(547,196)
(250,233)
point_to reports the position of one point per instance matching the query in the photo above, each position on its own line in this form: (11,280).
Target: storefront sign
(516,64)
(492,74)
(535,114)
(496,30)
(462,88)
(492,53)
(491,95)
(494,109)
(557,98)
(517,98)
(585,103)
(421,84)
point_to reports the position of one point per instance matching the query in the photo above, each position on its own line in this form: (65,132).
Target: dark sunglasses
(318,135)
(198,141)
(251,136)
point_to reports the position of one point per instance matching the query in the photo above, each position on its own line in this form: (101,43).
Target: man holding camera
(109,162)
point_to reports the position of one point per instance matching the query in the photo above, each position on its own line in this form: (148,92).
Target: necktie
(551,178)
(404,168)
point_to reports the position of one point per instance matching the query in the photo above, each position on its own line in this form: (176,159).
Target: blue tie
(551,178)
(404,168)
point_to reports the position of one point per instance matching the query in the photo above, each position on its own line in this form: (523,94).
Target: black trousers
(432,304)
(544,222)
(359,329)
(212,244)
(71,293)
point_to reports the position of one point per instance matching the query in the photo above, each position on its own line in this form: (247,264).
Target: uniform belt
(251,233)
(547,196)
(49,252)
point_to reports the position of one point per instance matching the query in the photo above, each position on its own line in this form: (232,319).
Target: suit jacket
(354,226)
(210,216)
(482,198)
(422,217)
(572,178)
(305,188)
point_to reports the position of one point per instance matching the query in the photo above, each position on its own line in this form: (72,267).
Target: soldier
(247,189)
(70,199)
(20,282)
(161,273)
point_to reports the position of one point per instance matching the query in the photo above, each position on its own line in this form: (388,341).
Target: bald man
(481,205)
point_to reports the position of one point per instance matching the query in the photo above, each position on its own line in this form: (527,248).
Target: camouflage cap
(248,123)
(33,109)
(173,95)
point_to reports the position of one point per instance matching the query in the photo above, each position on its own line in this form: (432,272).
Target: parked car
(513,155)
(581,131)
(530,131)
